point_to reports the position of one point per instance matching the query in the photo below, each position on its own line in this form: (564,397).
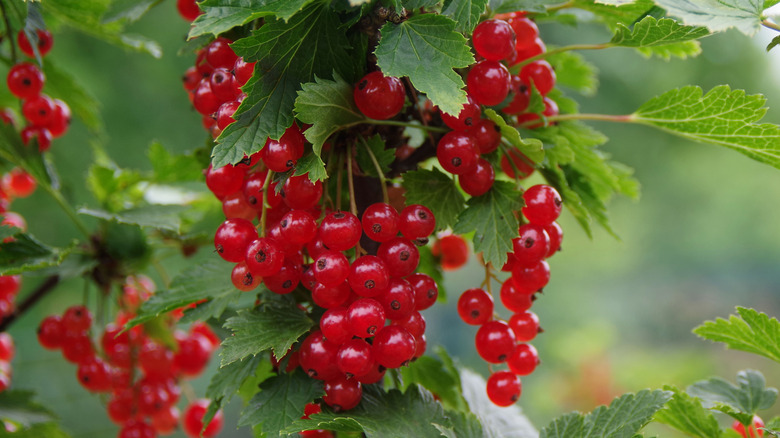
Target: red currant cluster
(753,431)
(214,84)
(46,118)
(499,341)
(141,374)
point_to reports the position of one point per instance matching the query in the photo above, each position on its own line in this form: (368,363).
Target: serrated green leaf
(128,10)
(492,219)
(530,147)
(312,165)
(280,402)
(681,50)
(573,71)
(506,6)
(434,376)
(61,85)
(226,382)
(722,116)
(166,217)
(742,400)
(427,48)
(168,168)
(25,254)
(437,191)
(418,4)
(664,38)
(204,281)
(462,425)
(114,187)
(374,146)
(19,407)
(686,414)
(328,106)
(464,12)
(383,414)
(613,14)
(28,158)
(568,425)
(269,327)
(718,15)
(219,16)
(288,55)
(751,331)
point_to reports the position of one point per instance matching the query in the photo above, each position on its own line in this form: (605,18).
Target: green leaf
(506,6)
(280,402)
(48,430)
(722,116)
(613,14)
(28,158)
(383,414)
(128,10)
(61,85)
(623,418)
(462,425)
(271,326)
(437,378)
(312,165)
(207,280)
(437,191)
(573,71)
(427,48)
(227,380)
(418,4)
(166,217)
(741,401)
(530,147)
(664,37)
(465,13)
(26,254)
(492,218)
(168,168)
(219,16)
(288,55)
(430,266)
(686,414)
(718,15)
(19,407)
(384,157)
(751,331)
(329,107)
(772,44)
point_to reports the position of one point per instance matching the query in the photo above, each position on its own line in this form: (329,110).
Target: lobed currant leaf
(26,254)
(435,376)
(288,54)
(128,11)
(220,16)
(573,71)
(651,32)
(530,147)
(507,6)
(280,402)
(462,424)
(427,48)
(437,191)
(686,414)
(742,400)
(384,157)
(418,4)
(492,219)
(718,15)
(168,168)
(722,116)
(616,12)
(165,217)
(465,13)
(751,331)
(271,326)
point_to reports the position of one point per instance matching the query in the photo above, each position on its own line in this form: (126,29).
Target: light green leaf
(772,44)
(612,14)
(383,414)
(718,15)
(568,425)
(492,218)
(271,326)
(288,55)
(207,280)
(686,414)
(722,116)
(384,157)
(530,147)
(128,10)
(751,331)
(169,167)
(280,402)
(427,48)
(664,38)
(437,191)
(677,50)
(226,382)
(328,106)
(166,217)
(573,71)
(741,401)
(506,6)
(219,16)
(464,12)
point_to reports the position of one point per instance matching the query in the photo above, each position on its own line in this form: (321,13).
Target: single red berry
(340,230)
(77,347)
(25,80)
(523,360)
(121,406)
(550,110)
(298,227)
(494,39)
(542,204)
(220,55)
(495,341)
(400,256)
(38,110)
(426,291)
(224,85)
(41,135)
(525,325)
(193,354)
(452,251)
(399,300)
(287,279)
(393,346)
(281,155)
(366,316)
(526,30)
(515,299)
(137,429)
(329,297)
(331,268)
(7,349)
(318,357)
(94,375)
(521,97)
(243,279)
(44,43)
(457,152)
(233,238)
(469,116)
(487,136)
(416,221)
(193,420)
(376,375)
(155,359)
(342,394)
(60,119)
(76,319)
(531,245)
(540,74)
(225,180)
(188,9)
(534,48)
(479,180)
(530,280)
(475,306)
(414,324)
(299,193)
(378,96)
(503,388)
(191,78)
(204,100)
(334,325)
(235,206)
(9,286)
(166,421)
(753,431)
(380,222)
(488,82)
(369,276)
(264,257)
(243,70)
(51,332)
(354,358)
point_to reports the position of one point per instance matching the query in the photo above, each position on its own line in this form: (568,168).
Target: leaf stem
(568,4)
(515,69)
(382,179)
(769,24)
(339,184)
(264,211)
(409,125)
(624,118)
(67,209)
(351,183)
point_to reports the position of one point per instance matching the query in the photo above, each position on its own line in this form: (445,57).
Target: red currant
(416,221)
(340,230)
(232,239)
(193,420)
(369,276)
(329,297)
(393,346)
(530,280)
(44,43)
(503,388)
(354,358)
(542,204)
(457,152)
(495,341)
(188,9)
(378,96)
(400,256)
(479,180)
(25,80)
(334,325)
(468,116)
(487,136)
(556,236)
(342,394)
(264,257)
(488,82)
(331,268)
(515,299)
(452,250)
(299,193)
(523,360)
(398,301)
(540,74)
(531,246)
(475,307)
(494,39)
(318,357)
(380,222)
(520,162)
(426,291)
(366,316)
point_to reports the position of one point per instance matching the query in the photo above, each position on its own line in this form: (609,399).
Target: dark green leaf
(129,10)
(748,396)
(19,407)
(219,16)
(419,4)
(722,116)
(573,71)
(169,168)
(384,157)
(280,402)
(227,381)
(718,15)
(61,85)
(506,6)
(268,327)
(25,254)
(492,218)
(686,414)
(530,147)
(426,48)
(775,41)
(287,55)
(434,376)
(462,425)
(207,280)
(437,191)
(312,165)
(383,414)
(432,267)
(751,331)
(166,217)
(464,12)
(651,32)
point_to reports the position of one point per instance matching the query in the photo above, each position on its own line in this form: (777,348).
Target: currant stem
(45,287)
(263,214)
(382,179)
(409,125)
(74,217)
(625,118)
(339,185)
(351,183)
(769,24)
(568,4)
(515,69)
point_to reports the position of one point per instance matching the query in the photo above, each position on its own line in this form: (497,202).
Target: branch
(45,287)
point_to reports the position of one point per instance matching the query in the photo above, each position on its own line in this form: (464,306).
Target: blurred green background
(617,314)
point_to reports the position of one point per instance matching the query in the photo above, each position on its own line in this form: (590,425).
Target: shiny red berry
(503,388)
(488,82)
(475,306)
(378,96)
